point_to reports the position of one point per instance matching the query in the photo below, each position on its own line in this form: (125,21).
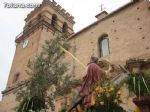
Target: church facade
(117,37)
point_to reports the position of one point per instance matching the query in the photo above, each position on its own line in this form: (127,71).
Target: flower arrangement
(107,97)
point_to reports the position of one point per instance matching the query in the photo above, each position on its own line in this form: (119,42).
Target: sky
(12,23)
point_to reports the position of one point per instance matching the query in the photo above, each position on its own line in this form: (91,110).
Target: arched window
(54,20)
(104,46)
(16,77)
(65,27)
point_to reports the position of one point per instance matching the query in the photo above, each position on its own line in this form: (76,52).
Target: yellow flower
(93,102)
(101,103)
(97,88)
(119,93)
(108,95)
(137,109)
(115,101)
(99,95)
(111,89)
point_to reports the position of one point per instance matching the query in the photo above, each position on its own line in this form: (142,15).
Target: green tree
(48,73)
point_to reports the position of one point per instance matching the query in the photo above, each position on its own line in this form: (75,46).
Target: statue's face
(100,63)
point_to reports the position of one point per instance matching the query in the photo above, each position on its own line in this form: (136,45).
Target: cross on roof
(102,8)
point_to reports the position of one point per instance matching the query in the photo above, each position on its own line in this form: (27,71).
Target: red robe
(94,74)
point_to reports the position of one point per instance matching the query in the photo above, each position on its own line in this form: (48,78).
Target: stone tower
(41,24)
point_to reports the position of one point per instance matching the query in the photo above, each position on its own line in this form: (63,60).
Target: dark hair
(94,59)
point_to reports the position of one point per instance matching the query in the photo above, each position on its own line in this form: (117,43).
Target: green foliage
(63,110)
(29,104)
(48,73)
(138,84)
(115,108)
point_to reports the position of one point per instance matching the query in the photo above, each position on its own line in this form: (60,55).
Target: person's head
(101,64)
(94,59)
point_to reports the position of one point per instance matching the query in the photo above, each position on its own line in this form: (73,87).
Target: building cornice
(101,13)
(105,18)
(14,87)
(37,24)
(53,5)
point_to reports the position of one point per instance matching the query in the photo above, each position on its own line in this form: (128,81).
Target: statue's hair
(94,59)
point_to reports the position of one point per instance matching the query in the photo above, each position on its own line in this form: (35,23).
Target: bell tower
(40,24)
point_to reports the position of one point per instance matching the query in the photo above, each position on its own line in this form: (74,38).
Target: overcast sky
(12,22)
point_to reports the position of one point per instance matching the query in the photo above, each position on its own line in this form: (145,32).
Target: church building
(119,36)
